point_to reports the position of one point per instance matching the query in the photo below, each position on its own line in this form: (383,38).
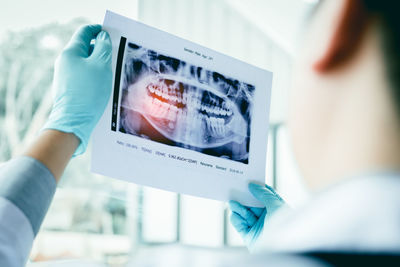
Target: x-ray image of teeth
(170,101)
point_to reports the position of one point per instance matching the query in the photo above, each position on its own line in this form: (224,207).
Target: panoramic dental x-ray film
(181,117)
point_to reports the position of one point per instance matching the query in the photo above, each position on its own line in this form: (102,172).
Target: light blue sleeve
(26,190)
(30,186)
(16,235)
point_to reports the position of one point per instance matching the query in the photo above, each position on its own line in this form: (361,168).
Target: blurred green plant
(26,64)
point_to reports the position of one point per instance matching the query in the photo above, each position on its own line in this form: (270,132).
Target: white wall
(219,25)
(22,14)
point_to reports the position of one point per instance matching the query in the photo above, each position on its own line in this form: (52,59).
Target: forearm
(27,187)
(53,149)
(29,182)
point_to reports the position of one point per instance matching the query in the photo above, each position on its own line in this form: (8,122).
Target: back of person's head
(387,15)
(345,104)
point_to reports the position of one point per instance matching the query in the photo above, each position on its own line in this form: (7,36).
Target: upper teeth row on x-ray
(145,60)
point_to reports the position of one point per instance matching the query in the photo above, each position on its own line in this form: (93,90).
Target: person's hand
(82,84)
(249,221)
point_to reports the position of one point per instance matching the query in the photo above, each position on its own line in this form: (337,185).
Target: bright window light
(50,42)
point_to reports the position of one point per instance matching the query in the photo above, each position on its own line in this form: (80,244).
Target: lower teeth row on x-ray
(170,101)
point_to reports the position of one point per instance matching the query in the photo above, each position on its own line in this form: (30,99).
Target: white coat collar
(361,214)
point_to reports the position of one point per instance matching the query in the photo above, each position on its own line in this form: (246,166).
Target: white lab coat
(358,215)
(16,235)
(26,190)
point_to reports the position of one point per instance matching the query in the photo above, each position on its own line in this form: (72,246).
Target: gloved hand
(82,84)
(249,221)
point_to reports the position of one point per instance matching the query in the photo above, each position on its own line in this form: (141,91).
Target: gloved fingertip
(102,47)
(232,202)
(233,216)
(238,222)
(254,186)
(103,36)
(258,191)
(233,205)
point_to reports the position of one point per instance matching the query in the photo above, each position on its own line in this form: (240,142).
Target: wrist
(65,137)
(54,149)
(81,126)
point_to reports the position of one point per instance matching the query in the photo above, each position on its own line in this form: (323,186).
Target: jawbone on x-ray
(182,117)
(170,101)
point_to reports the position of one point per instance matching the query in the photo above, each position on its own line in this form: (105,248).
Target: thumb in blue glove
(249,221)
(82,84)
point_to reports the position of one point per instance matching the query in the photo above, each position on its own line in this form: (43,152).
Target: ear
(352,18)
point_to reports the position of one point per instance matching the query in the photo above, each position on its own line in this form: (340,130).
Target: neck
(364,146)
(363,135)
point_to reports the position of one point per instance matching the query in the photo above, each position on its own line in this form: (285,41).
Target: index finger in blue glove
(263,193)
(243,211)
(239,223)
(80,41)
(272,190)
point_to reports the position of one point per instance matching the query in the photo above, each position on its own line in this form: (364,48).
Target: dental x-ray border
(169,101)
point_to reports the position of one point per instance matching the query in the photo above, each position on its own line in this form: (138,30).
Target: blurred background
(112,223)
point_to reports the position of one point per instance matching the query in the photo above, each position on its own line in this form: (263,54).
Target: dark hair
(386,12)
(389,23)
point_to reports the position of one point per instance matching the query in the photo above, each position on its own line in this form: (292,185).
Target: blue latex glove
(249,221)
(82,84)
